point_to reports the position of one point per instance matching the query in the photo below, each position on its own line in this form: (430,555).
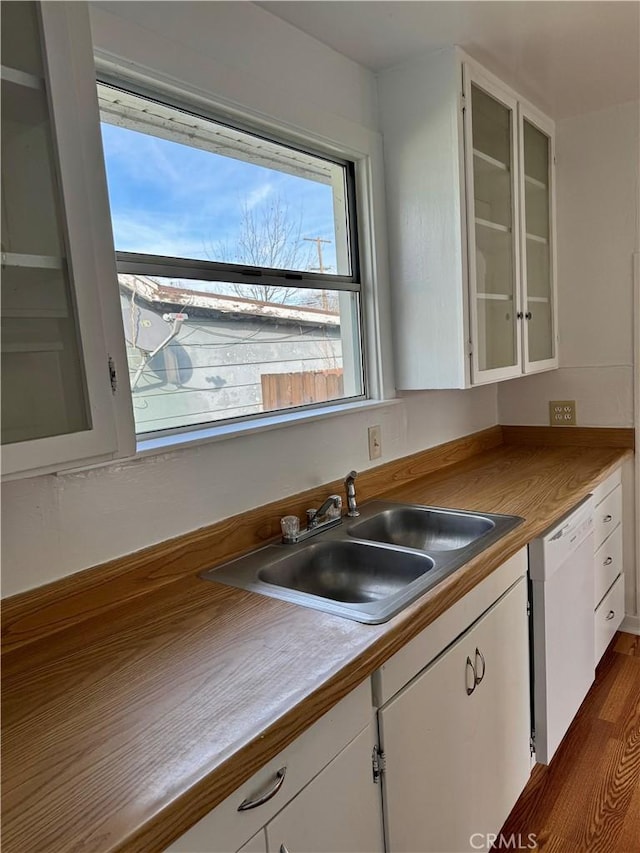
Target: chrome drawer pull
(610,615)
(475,677)
(484,666)
(607,517)
(264,798)
(608,561)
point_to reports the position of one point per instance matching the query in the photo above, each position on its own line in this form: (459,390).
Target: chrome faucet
(352,506)
(314,515)
(291,532)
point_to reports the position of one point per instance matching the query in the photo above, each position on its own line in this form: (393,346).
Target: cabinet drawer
(607,486)
(607,516)
(608,564)
(609,616)
(226,829)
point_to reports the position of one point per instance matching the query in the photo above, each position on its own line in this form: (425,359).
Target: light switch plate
(562,412)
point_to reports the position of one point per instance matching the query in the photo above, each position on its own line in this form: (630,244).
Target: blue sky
(171,199)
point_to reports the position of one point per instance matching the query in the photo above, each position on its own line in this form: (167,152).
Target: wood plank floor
(588,799)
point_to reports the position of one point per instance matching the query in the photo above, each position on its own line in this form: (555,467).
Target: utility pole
(318,241)
(321,267)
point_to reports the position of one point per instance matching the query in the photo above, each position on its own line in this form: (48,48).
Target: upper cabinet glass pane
(536,180)
(43,384)
(491,127)
(31,218)
(536,153)
(537,248)
(21,38)
(493,181)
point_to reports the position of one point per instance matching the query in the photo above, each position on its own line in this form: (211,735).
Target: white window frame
(358,190)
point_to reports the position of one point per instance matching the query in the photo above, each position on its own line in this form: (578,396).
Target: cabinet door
(493,228)
(57,400)
(456,745)
(537,210)
(339,811)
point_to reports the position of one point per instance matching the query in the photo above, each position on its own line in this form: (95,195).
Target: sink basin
(368,568)
(347,571)
(423,528)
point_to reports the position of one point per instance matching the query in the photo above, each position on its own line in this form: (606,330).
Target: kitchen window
(237,266)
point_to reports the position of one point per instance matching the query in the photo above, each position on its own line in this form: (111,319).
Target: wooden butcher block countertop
(122,730)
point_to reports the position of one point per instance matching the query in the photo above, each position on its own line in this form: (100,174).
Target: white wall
(597,210)
(598,232)
(59,524)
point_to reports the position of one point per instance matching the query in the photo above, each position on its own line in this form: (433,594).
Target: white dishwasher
(561,569)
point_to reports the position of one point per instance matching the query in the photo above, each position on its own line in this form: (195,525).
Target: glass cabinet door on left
(43,386)
(59,353)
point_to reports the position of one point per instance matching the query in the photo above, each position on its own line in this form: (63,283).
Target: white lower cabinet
(450,747)
(338,812)
(456,738)
(318,794)
(609,569)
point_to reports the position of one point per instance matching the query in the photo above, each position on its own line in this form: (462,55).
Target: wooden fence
(285,390)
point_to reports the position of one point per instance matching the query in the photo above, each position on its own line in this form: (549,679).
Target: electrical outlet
(562,412)
(375,442)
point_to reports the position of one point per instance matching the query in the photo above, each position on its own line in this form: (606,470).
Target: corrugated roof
(153,291)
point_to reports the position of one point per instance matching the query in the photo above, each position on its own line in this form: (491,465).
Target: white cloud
(258,195)
(156,236)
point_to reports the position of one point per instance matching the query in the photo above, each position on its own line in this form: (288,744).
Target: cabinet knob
(528,315)
(474,677)
(283,849)
(610,615)
(607,518)
(476,667)
(245,805)
(608,561)
(519,315)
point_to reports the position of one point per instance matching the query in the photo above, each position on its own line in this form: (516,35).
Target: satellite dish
(144,328)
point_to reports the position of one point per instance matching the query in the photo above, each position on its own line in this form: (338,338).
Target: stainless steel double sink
(368,568)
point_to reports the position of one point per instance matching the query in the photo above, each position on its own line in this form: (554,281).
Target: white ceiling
(568,56)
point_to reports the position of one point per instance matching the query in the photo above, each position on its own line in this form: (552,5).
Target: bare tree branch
(270,236)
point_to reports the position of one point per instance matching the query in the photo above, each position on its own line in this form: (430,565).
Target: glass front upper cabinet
(58,404)
(537,230)
(43,387)
(493,232)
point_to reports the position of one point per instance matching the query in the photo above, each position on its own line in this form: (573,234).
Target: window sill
(222,432)
(185,441)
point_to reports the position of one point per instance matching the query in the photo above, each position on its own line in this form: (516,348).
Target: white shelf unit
(485,161)
(41,262)
(21,78)
(535,183)
(536,238)
(494,226)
